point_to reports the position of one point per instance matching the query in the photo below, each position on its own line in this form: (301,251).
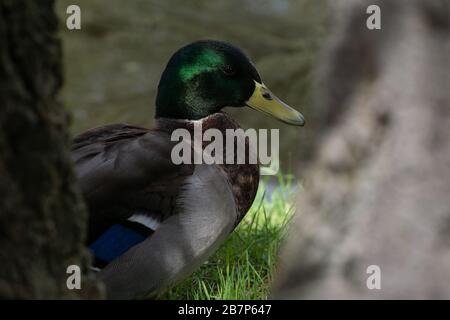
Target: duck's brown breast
(243,178)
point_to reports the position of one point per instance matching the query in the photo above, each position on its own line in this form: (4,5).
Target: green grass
(244,266)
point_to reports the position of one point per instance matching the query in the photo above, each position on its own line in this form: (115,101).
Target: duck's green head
(206,76)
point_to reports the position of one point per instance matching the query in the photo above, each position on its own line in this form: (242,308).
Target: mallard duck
(153,222)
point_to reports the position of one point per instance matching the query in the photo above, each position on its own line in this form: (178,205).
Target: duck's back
(128,180)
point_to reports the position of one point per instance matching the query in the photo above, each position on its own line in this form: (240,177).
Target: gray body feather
(206,210)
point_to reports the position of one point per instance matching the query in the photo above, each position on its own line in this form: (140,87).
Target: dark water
(113,65)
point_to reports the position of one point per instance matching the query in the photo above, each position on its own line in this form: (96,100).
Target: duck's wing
(182,242)
(129,183)
(122,170)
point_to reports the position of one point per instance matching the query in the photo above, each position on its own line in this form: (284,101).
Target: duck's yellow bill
(265,101)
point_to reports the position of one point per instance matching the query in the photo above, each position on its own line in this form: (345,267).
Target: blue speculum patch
(115,242)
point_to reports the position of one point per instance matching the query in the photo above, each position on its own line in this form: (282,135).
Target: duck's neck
(244,178)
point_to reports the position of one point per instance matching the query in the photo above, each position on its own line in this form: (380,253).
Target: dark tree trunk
(378,192)
(42,220)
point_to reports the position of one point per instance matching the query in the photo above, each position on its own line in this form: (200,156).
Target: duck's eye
(228,70)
